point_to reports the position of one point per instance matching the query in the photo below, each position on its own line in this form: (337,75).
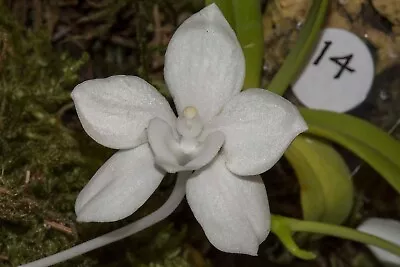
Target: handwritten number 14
(343,61)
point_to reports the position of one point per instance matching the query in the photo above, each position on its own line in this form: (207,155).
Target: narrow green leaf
(373,145)
(245,19)
(299,55)
(226,7)
(248,27)
(325,180)
(356,128)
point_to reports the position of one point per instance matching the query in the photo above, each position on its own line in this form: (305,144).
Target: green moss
(38,156)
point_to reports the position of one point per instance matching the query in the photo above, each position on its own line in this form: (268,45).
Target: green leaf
(249,31)
(245,18)
(312,199)
(226,7)
(325,180)
(373,145)
(308,37)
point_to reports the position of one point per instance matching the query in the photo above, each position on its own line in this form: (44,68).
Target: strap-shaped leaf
(325,180)
(226,7)
(308,37)
(245,19)
(249,31)
(373,145)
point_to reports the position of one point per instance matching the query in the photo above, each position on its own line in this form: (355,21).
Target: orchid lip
(189,149)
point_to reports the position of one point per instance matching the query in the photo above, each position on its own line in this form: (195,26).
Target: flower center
(189,124)
(188,151)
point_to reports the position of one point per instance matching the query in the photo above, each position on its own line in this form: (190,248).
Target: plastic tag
(339,75)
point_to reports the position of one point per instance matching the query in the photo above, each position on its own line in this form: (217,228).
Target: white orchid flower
(222,139)
(386,229)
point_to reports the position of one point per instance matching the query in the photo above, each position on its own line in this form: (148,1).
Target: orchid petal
(204,63)
(115,111)
(119,187)
(170,155)
(232,210)
(178,193)
(258,126)
(386,229)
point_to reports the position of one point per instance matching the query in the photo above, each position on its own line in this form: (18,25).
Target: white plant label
(339,75)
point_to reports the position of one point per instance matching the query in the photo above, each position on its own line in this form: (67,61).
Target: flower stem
(308,36)
(164,211)
(284,233)
(294,225)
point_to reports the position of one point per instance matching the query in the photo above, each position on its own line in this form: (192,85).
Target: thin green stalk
(299,55)
(249,30)
(226,7)
(334,230)
(284,233)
